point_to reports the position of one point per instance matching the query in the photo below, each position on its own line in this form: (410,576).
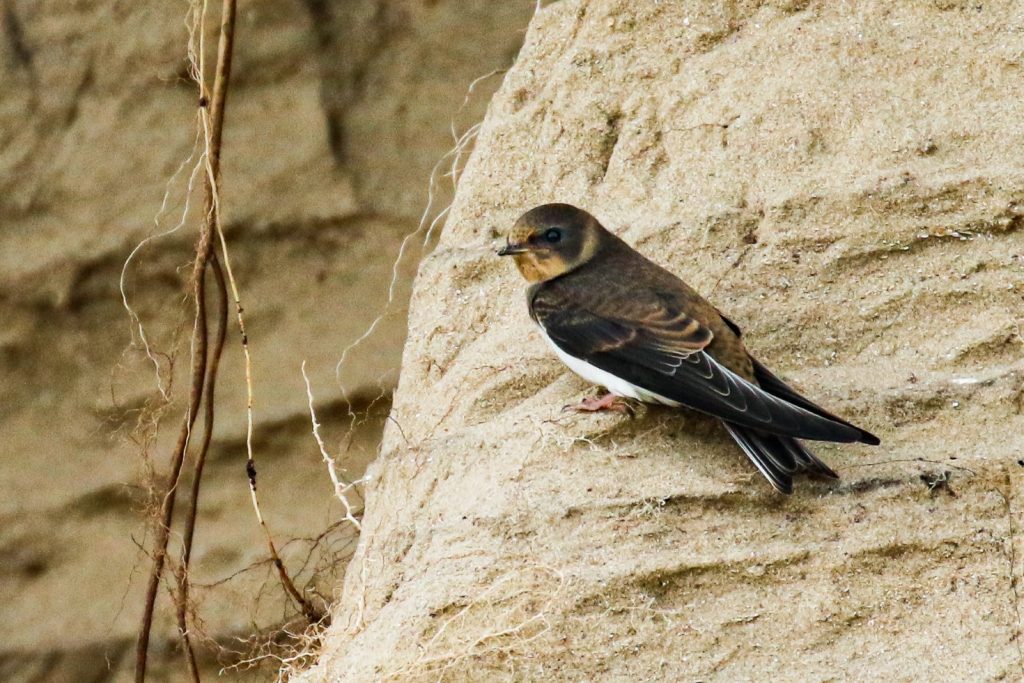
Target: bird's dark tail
(776,387)
(778,457)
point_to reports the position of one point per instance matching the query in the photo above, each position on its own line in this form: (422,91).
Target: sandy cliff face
(844,181)
(338,111)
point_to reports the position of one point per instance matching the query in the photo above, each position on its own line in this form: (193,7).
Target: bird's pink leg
(609,401)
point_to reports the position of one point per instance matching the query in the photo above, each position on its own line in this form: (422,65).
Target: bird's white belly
(616,385)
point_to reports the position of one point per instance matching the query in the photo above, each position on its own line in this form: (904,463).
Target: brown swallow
(627,324)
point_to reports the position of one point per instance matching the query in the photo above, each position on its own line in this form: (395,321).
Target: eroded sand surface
(844,180)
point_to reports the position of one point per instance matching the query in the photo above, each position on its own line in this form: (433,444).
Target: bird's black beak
(510,249)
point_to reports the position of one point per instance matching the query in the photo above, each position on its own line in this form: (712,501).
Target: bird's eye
(553,235)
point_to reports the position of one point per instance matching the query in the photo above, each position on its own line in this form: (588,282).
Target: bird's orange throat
(539,266)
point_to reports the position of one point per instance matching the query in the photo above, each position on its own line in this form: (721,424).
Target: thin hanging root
(455,153)
(310,612)
(213,163)
(341,486)
(136,327)
(462,142)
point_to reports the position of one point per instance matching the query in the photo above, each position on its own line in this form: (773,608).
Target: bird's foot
(609,401)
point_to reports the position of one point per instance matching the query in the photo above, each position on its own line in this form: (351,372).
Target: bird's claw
(615,404)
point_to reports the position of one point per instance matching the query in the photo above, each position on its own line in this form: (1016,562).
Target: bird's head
(551,240)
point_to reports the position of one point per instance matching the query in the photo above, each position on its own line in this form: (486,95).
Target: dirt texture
(97,120)
(844,181)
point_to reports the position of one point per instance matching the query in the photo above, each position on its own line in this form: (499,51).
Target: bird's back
(618,280)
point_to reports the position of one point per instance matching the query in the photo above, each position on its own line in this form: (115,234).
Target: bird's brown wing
(654,344)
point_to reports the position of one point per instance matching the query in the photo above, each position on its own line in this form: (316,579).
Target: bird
(625,323)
